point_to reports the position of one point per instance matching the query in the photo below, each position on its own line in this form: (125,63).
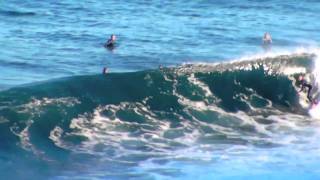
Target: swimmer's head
(113,37)
(267,35)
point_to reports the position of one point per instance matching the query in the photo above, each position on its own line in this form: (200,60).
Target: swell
(11,13)
(153,112)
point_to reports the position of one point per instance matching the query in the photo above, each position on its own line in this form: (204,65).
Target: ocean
(222,105)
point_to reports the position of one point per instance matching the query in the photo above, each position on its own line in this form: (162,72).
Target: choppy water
(196,121)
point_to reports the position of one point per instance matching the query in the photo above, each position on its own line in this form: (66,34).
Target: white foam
(36,104)
(25,140)
(263,55)
(106,130)
(280,52)
(55,136)
(293,70)
(315,111)
(200,84)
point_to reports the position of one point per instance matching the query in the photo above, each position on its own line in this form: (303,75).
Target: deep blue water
(46,39)
(61,119)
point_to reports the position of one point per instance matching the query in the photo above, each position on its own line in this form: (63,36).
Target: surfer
(304,85)
(267,40)
(111,41)
(105,70)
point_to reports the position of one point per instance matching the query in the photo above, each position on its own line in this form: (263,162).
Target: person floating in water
(267,40)
(111,42)
(303,83)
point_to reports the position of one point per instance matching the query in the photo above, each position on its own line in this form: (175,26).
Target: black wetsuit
(304,85)
(110,43)
(104,70)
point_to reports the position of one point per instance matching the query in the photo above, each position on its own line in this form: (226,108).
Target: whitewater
(179,122)
(222,105)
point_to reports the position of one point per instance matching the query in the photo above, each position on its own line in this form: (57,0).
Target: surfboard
(303,100)
(315,111)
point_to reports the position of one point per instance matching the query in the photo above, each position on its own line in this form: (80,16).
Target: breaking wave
(155,116)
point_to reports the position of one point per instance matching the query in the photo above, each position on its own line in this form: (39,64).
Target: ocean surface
(222,107)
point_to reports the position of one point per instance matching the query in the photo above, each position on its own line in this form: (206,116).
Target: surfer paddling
(304,84)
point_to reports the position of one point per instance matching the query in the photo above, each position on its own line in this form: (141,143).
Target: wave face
(105,126)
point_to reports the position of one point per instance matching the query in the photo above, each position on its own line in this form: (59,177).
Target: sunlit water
(46,39)
(139,139)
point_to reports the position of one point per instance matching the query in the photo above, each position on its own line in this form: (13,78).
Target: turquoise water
(197,118)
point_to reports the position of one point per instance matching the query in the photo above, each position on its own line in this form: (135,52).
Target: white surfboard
(303,100)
